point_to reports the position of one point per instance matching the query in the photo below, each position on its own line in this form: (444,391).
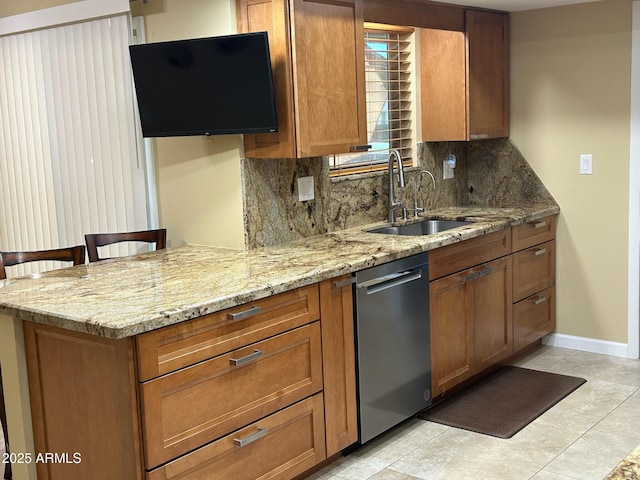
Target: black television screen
(205,86)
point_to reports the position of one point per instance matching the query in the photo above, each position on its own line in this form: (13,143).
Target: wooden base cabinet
(280,446)
(471,322)
(534,274)
(83,392)
(483,314)
(262,390)
(338,360)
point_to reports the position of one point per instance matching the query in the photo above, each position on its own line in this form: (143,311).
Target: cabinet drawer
(188,408)
(468,253)
(533,318)
(277,447)
(168,349)
(534,269)
(534,232)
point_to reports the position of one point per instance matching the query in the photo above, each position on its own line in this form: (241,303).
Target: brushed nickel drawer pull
(537,224)
(470,277)
(345,282)
(485,272)
(538,252)
(538,300)
(241,442)
(236,362)
(250,312)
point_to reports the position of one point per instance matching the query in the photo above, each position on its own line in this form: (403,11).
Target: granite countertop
(126,296)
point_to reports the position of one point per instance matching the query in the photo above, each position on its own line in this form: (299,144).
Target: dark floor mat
(505,402)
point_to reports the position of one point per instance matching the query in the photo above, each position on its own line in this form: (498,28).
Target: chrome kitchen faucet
(394,155)
(416,209)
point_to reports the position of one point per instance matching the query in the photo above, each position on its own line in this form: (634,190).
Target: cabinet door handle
(538,252)
(236,362)
(474,275)
(249,312)
(241,442)
(537,224)
(470,277)
(485,272)
(538,300)
(345,282)
(359,148)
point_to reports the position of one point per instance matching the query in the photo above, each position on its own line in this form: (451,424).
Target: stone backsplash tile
(489,172)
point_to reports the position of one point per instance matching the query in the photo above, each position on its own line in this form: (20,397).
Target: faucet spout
(394,156)
(416,208)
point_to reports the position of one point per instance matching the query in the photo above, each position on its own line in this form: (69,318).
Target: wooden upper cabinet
(464,79)
(317,55)
(487,74)
(443,85)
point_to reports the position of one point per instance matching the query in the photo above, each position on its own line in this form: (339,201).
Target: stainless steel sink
(425,227)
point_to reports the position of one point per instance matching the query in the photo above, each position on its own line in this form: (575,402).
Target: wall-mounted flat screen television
(205,86)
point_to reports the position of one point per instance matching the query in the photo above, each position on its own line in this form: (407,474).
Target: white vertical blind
(68,158)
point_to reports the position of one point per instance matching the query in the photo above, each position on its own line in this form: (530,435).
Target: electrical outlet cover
(305,189)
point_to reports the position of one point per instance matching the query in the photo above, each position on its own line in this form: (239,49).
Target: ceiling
(514,5)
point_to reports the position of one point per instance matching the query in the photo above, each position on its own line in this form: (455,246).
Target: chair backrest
(95,240)
(69,254)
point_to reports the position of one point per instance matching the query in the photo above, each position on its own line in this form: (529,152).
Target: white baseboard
(587,344)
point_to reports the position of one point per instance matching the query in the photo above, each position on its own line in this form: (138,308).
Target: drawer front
(277,447)
(188,408)
(534,232)
(533,318)
(468,253)
(534,269)
(177,346)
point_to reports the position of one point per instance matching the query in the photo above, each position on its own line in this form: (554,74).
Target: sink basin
(426,227)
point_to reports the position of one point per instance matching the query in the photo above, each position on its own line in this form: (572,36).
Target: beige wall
(198,178)
(570,78)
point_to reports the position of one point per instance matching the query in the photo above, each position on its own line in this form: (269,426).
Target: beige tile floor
(583,437)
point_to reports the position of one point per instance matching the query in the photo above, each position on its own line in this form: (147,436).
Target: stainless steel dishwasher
(392,341)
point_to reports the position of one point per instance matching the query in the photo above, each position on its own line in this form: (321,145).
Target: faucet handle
(416,212)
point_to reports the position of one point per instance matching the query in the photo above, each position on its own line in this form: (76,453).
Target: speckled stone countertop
(126,296)
(628,469)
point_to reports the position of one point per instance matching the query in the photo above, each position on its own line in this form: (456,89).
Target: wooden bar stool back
(70,254)
(96,240)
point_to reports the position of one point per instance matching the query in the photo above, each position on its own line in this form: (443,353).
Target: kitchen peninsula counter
(127,296)
(88,330)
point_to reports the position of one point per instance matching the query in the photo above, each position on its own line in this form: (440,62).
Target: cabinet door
(491,307)
(83,399)
(443,85)
(339,364)
(272,16)
(487,74)
(452,348)
(329,83)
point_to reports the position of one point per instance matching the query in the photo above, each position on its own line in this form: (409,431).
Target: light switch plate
(305,189)
(586,164)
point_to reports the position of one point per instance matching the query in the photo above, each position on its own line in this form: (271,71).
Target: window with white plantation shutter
(388,73)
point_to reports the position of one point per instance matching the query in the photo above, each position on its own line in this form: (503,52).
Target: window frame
(407,34)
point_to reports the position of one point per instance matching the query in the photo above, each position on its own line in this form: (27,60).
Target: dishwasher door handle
(389,281)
